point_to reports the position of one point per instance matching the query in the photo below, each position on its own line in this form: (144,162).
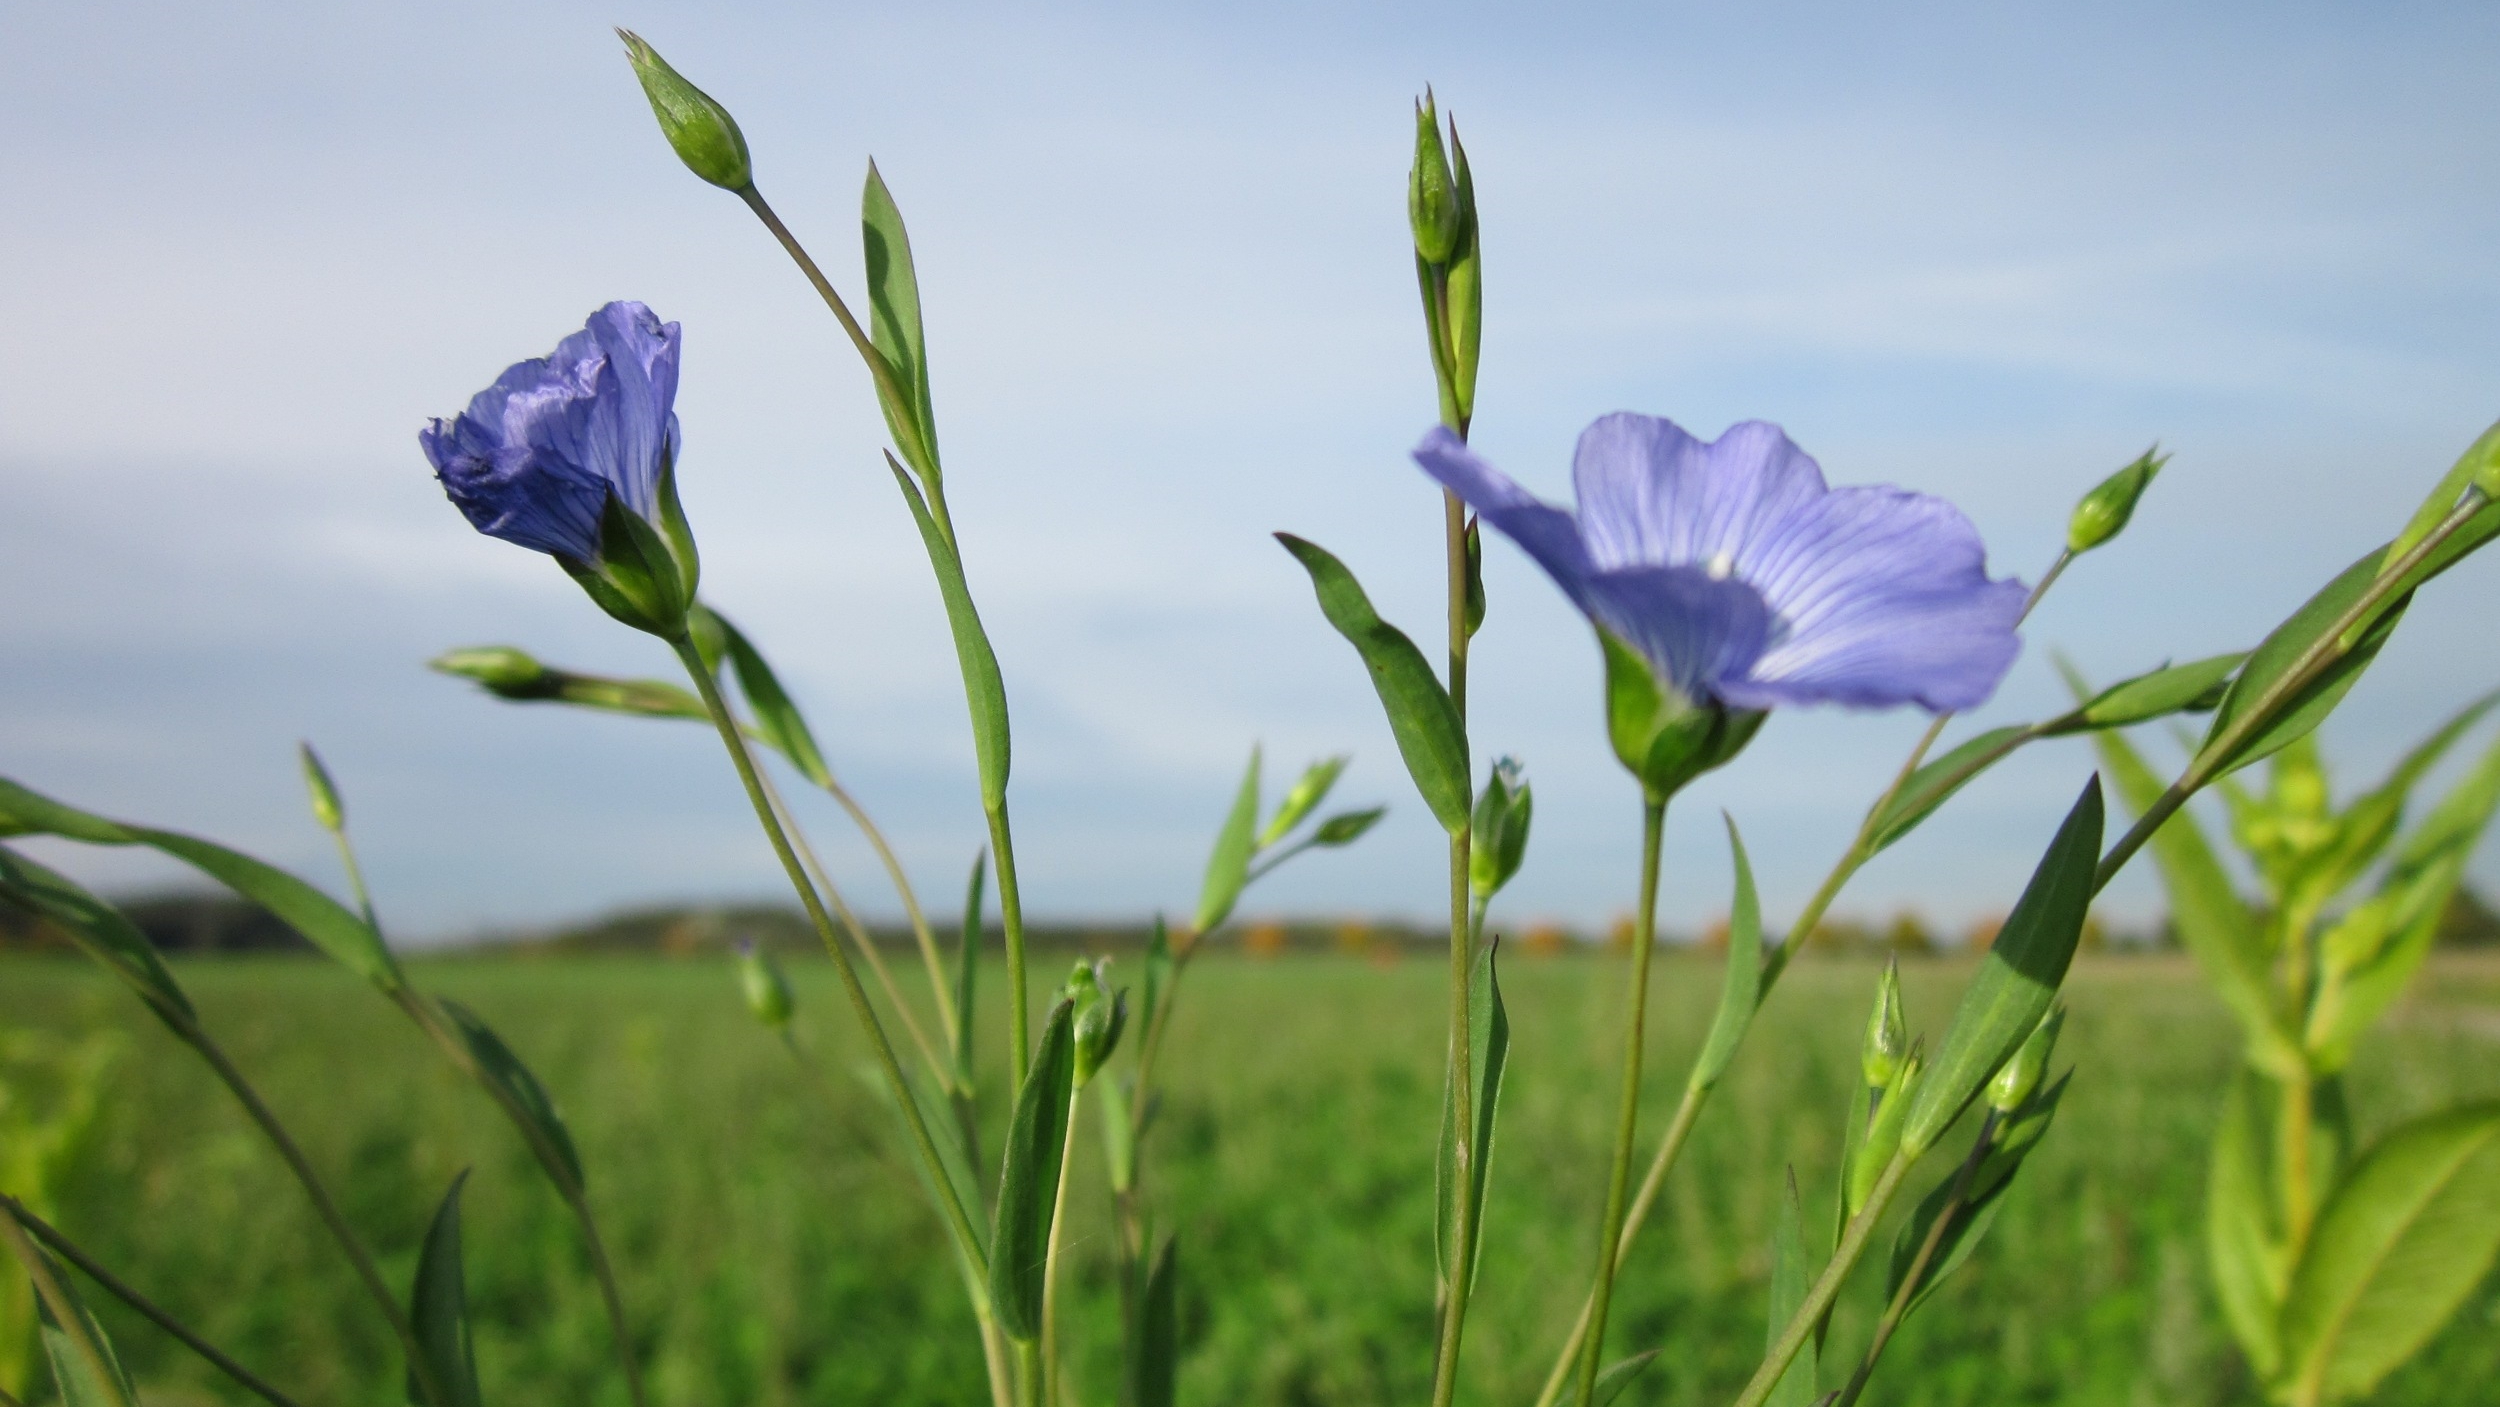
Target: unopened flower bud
(2104,511)
(1887,1033)
(766,986)
(1883,1137)
(2020,1078)
(1431,190)
(1100,1016)
(1500,825)
(501,670)
(703,133)
(326,806)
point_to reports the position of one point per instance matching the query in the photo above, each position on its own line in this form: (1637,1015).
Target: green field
(775,1248)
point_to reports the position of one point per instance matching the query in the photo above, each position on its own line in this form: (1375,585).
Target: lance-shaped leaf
(438,1309)
(2442,499)
(2017,980)
(1155,1363)
(2242,1243)
(331,927)
(1740,992)
(1618,1375)
(2174,688)
(1488,1044)
(2398,1246)
(1037,1147)
(1228,865)
(85,1369)
(514,675)
(1347,827)
(778,723)
(2373,952)
(1308,792)
(1935,783)
(2212,921)
(967,964)
(521,1095)
(1792,1276)
(2265,682)
(1429,735)
(98,929)
(1968,1220)
(894,323)
(985,690)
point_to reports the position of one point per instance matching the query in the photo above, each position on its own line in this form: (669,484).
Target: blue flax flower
(537,455)
(1742,579)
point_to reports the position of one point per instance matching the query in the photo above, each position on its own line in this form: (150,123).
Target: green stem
(1818,1300)
(1927,1248)
(1628,1109)
(935,1167)
(147,1309)
(1029,1373)
(56,1298)
(1462,1132)
(1011,922)
(1050,1261)
(949,1020)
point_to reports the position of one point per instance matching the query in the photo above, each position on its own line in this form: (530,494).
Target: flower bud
(2020,1078)
(501,670)
(1100,1016)
(1887,1034)
(2104,511)
(326,806)
(705,136)
(1500,824)
(1431,190)
(766,986)
(1883,1136)
(1663,738)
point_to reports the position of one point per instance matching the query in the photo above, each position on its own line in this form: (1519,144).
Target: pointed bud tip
(699,129)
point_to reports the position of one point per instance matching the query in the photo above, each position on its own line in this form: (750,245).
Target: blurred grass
(775,1248)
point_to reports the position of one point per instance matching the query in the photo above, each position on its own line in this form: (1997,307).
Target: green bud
(1500,829)
(2103,513)
(1431,190)
(705,136)
(766,986)
(2014,1085)
(1346,827)
(1887,1034)
(1305,797)
(1466,297)
(1100,1016)
(1883,1135)
(1663,738)
(1474,617)
(326,806)
(501,669)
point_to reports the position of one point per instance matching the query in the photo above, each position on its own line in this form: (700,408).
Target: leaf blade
(1029,1184)
(1228,864)
(1740,992)
(438,1308)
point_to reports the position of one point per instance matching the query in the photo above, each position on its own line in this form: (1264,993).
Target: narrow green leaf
(520,1093)
(1935,783)
(2017,980)
(1792,1276)
(438,1308)
(2299,713)
(2372,954)
(894,321)
(2442,499)
(1488,1043)
(1741,991)
(2212,921)
(85,1369)
(778,723)
(2396,1249)
(2173,688)
(2242,1243)
(2016,1136)
(1618,1375)
(98,929)
(967,964)
(1037,1146)
(331,926)
(1157,1362)
(985,691)
(1347,827)
(1308,792)
(1228,865)
(1429,735)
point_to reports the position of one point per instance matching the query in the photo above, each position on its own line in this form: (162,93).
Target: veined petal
(1652,495)
(1693,628)
(1549,534)
(629,417)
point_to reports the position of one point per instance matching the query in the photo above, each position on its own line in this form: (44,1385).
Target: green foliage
(894,325)
(1488,1042)
(1792,1273)
(438,1308)
(1740,989)
(1037,1146)
(1228,865)
(985,689)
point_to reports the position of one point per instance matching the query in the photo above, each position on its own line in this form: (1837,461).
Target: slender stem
(64,1310)
(1927,1248)
(1462,1134)
(1050,1261)
(148,1309)
(935,1167)
(941,1071)
(1029,1373)
(948,1018)
(356,879)
(1818,1300)
(1011,922)
(1628,1110)
(1687,1112)
(349,1243)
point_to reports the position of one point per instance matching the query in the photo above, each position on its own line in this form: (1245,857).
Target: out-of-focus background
(1985,252)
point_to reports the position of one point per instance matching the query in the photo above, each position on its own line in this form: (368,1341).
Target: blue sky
(1986,251)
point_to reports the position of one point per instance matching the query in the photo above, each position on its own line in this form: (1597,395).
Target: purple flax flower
(1742,579)
(535,457)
